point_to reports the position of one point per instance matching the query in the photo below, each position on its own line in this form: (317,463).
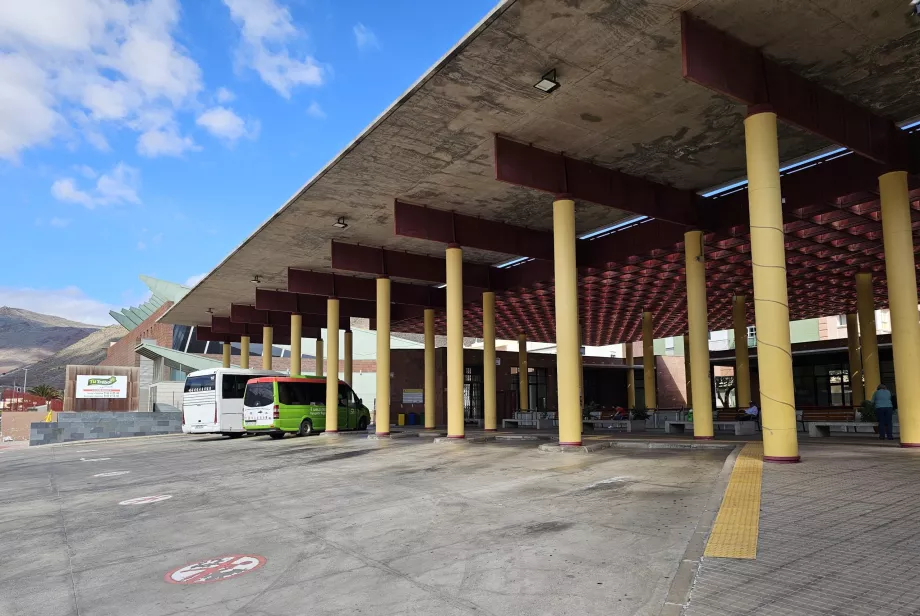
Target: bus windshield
(259,394)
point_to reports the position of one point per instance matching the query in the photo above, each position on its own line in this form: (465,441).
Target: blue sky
(152,136)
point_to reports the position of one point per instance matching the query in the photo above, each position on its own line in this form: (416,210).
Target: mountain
(88,351)
(27,337)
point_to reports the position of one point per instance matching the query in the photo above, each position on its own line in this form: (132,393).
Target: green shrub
(867,411)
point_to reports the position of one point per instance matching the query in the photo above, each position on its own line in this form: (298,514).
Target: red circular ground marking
(215,569)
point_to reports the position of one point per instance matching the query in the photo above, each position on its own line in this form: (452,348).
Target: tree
(47,392)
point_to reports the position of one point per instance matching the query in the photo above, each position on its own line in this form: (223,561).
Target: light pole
(24,379)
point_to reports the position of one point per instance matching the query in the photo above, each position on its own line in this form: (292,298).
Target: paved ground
(344,527)
(839,534)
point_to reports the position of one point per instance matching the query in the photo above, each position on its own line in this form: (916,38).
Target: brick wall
(672,381)
(122,352)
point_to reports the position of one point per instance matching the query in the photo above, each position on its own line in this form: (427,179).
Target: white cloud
(224,95)
(118,186)
(268,32)
(141,245)
(194,280)
(100,63)
(69,303)
(225,124)
(86,171)
(365,37)
(315,111)
(59,223)
(164,141)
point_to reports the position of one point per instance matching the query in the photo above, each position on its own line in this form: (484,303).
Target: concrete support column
(648,361)
(630,377)
(455,427)
(296,341)
(901,270)
(868,342)
(227,349)
(742,359)
(697,316)
(244,352)
(382,403)
(267,347)
(687,371)
(858,394)
(568,358)
(319,357)
(771,301)
(348,377)
(523,381)
(430,394)
(490,411)
(332,371)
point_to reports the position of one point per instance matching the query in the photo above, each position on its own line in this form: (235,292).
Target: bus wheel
(276,435)
(306,428)
(362,423)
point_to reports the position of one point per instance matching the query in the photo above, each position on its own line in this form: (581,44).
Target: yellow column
(567,354)
(771,304)
(648,361)
(244,352)
(319,357)
(858,394)
(698,318)
(868,342)
(902,301)
(581,372)
(490,412)
(266,348)
(382,403)
(349,371)
(687,371)
(742,358)
(430,394)
(455,428)
(523,380)
(630,377)
(296,341)
(332,371)
(226,358)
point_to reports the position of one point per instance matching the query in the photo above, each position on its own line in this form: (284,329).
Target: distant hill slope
(88,351)
(27,337)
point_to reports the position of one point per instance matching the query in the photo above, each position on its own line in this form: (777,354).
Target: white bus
(212,402)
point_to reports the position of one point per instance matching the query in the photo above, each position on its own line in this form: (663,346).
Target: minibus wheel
(306,428)
(362,423)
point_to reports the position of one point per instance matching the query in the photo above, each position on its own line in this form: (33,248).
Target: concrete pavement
(344,526)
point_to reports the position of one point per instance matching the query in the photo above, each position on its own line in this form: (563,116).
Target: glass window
(259,394)
(233,386)
(199,383)
(314,393)
(752,331)
(346,395)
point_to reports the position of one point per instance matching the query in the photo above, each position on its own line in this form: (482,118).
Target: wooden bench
(827,415)
(507,422)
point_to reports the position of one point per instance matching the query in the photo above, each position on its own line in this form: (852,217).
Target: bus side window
(316,393)
(233,386)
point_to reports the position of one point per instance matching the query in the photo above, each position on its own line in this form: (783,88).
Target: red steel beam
(279,302)
(350,287)
(525,165)
(715,60)
(382,262)
(425,223)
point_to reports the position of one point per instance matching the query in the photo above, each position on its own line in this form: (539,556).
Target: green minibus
(277,405)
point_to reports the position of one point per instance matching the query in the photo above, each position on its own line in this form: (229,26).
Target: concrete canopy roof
(623,104)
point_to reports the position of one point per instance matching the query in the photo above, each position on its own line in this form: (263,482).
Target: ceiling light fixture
(340,223)
(256,279)
(547,82)
(210,311)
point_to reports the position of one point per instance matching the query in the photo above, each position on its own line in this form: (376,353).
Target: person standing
(884,411)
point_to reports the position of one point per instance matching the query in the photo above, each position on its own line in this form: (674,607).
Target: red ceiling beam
(525,165)
(350,287)
(450,228)
(287,303)
(382,262)
(717,61)
(205,334)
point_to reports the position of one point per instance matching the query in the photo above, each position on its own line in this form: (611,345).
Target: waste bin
(401,419)
(413,419)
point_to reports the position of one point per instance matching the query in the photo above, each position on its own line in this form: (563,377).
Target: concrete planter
(637,425)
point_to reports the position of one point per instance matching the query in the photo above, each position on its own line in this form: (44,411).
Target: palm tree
(47,392)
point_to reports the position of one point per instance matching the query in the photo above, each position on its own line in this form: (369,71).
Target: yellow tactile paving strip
(734,534)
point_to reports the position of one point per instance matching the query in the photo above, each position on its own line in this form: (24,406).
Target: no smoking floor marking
(146,500)
(215,569)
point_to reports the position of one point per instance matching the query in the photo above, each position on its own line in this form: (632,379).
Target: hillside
(28,337)
(90,350)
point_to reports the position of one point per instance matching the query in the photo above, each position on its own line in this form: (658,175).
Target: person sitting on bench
(749,414)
